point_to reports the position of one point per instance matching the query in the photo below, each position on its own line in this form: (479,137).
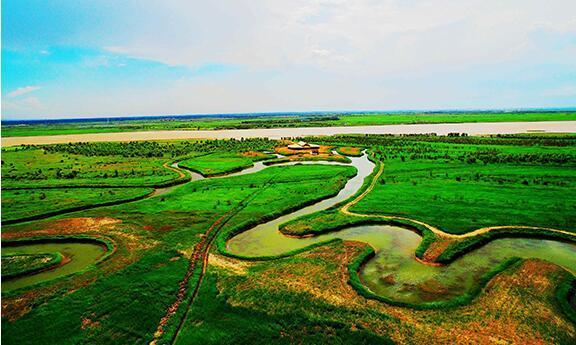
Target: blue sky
(112,58)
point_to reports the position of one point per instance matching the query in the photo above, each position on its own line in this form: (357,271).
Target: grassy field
(457,183)
(463,183)
(26,203)
(153,236)
(272,121)
(222,163)
(31,167)
(460,197)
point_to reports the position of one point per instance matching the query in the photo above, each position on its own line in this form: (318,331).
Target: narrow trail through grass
(200,255)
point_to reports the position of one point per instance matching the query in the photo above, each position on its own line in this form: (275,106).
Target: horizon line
(288,113)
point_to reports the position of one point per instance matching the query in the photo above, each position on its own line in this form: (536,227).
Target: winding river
(77,256)
(393,272)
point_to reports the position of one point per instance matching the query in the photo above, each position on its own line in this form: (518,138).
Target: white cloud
(27,104)
(324,54)
(22,91)
(564,91)
(363,37)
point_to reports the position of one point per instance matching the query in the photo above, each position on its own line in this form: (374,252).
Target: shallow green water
(394,272)
(80,255)
(265,239)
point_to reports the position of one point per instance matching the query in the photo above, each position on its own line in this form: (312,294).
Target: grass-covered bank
(32,204)
(21,264)
(566,296)
(460,247)
(223,322)
(460,183)
(222,163)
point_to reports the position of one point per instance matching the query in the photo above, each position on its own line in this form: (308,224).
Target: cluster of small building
(302,145)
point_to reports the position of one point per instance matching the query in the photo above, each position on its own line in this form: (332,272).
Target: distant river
(476,128)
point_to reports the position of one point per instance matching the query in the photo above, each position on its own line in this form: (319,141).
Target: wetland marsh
(253,229)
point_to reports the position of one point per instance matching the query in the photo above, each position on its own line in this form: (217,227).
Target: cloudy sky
(70,58)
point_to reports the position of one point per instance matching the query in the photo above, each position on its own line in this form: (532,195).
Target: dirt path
(346,210)
(200,255)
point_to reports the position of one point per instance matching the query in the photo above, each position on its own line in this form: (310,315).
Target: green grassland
(457,183)
(171,225)
(36,168)
(463,183)
(221,163)
(272,121)
(14,265)
(47,180)
(460,197)
(30,203)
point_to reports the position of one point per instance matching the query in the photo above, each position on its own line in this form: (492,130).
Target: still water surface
(79,255)
(394,272)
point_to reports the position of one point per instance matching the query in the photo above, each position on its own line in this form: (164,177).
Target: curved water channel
(77,256)
(394,272)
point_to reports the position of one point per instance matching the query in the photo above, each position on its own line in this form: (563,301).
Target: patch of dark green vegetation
(566,296)
(170,149)
(215,164)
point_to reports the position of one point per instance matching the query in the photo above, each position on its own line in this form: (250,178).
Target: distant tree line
(461,148)
(454,138)
(161,149)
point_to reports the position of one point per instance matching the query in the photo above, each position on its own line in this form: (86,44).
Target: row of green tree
(161,149)
(454,138)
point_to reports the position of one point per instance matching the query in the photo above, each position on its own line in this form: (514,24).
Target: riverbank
(250,121)
(477,128)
